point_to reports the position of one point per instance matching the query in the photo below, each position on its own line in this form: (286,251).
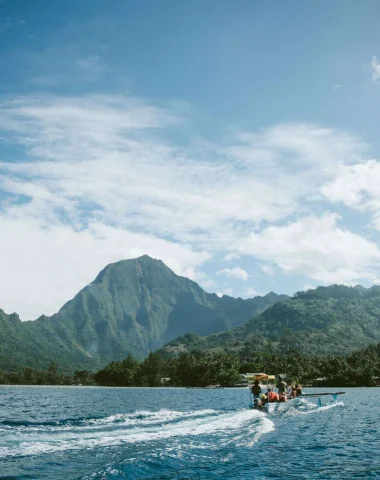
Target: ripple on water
(178,433)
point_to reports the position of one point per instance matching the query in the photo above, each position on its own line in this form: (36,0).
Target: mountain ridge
(326,320)
(132,306)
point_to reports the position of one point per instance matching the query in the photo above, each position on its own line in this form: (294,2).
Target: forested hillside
(328,320)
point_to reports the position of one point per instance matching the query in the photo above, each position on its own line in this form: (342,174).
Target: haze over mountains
(133,306)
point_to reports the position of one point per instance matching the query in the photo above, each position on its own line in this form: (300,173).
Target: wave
(26,423)
(323,408)
(306,407)
(90,423)
(243,427)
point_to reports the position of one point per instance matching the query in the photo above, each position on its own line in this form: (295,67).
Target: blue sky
(237,141)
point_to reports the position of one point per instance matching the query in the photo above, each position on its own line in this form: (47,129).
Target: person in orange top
(272,396)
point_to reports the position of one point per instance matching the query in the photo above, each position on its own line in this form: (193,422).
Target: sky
(238,141)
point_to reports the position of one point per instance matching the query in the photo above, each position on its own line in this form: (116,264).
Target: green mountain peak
(133,306)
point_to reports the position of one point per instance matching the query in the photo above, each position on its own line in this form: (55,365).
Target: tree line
(360,368)
(199,369)
(50,376)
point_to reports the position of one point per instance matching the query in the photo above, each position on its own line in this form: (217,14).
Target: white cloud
(201,278)
(252,292)
(316,245)
(375,69)
(44,266)
(101,151)
(206,284)
(304,149)
(235,272)
(106,162)
(231,256)
(227,291)
(267,269)
(357,186)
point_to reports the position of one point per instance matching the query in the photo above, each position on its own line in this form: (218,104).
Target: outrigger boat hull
(271,407)
(275,406)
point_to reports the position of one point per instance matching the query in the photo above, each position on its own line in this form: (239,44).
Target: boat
(269,381)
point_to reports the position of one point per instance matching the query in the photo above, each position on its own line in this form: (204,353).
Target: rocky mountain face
(133,306)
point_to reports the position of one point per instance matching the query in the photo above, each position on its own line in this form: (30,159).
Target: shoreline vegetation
(199,369)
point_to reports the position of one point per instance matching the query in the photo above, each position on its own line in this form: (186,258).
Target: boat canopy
(264,376)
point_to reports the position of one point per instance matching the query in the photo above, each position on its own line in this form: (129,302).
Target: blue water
(167,433)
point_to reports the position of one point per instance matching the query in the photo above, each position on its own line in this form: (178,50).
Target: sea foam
(242,427)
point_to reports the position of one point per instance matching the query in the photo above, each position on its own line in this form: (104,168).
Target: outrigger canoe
(275,406)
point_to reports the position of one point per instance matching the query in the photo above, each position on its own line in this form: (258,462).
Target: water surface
(171,433)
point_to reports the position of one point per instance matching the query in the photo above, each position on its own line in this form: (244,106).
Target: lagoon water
(171,433)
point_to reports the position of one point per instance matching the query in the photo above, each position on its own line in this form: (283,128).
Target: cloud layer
(94,179)
(235,272)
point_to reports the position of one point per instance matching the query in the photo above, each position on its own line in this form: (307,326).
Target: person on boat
(263,400)
(272,396)
(282,397)
(260,401)
(298,390)
(256,389)
(281,386)
(292,392)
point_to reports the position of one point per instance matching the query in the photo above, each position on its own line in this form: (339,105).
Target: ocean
(175,433)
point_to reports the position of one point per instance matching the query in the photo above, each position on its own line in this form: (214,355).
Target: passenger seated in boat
(281,385)
(282,397)
(259,402)
(263,400)
(256,389)
(298,390)
(272,396)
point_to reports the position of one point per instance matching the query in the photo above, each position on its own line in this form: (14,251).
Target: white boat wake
(307,407)
(243,427)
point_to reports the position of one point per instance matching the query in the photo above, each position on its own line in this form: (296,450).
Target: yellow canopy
(264,376)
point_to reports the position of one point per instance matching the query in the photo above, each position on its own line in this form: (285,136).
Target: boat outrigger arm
(333,394)
(322,394)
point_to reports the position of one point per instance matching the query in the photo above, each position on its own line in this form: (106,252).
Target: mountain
(328,320)
(133,306)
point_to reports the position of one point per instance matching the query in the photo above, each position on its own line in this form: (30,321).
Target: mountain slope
(328,320)
(133,306)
